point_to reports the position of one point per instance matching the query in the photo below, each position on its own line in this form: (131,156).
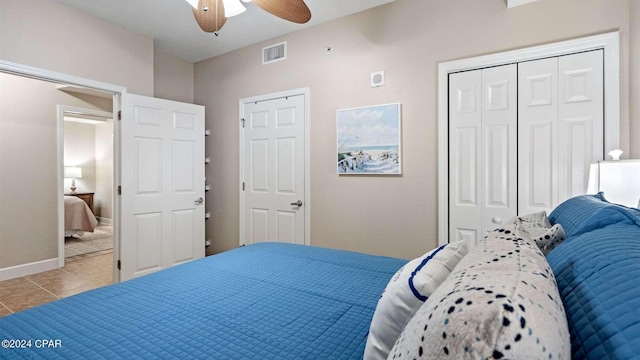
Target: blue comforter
(264,301)
(598,274)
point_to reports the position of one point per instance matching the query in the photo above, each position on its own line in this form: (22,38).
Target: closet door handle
(199,201)
(496,220)
(297,203)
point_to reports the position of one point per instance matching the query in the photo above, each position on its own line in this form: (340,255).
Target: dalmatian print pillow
(539,228)
(500,302)
(548,239)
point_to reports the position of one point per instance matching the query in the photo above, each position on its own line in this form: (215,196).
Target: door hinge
(119,190)
(242,121)
(119,265)
(119,114)
(243,186)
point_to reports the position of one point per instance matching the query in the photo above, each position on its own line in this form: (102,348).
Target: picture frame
(369,140)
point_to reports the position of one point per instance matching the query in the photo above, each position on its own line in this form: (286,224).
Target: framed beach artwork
(369,140)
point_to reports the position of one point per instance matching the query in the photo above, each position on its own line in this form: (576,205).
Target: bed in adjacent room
(263,301)
(78,217)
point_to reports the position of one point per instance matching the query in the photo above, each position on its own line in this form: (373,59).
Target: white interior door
(499,145)
(162,177)
(537,135)
(581,120)
(273,207)
(482,151)
(465,157)
(561,128)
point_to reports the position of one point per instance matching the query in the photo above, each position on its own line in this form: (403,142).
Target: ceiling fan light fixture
(210,15)
(193,3)
(233,8)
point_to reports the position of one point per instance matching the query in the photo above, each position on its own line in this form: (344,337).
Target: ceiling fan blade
(292,10)
(213,19)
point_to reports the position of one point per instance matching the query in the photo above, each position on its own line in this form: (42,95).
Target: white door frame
(61,110)
(117,91)
(307,213)
(609,42)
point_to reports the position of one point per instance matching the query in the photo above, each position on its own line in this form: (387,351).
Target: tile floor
(80,273)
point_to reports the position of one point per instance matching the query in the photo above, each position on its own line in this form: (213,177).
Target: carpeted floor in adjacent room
(99,240)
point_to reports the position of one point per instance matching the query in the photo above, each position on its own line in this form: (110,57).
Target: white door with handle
(273,169)
(162,184)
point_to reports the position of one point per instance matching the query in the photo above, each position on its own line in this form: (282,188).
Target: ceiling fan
(211,15)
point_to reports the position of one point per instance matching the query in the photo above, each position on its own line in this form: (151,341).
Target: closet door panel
(581,120)
(465,198)
(537,135)
(499,145)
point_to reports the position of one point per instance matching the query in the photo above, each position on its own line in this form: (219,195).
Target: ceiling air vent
(274,53)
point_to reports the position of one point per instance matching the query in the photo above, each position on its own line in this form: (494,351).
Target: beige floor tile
(78,275)
(28,299)
(4,311)
(44,275)
(18,287)
(79,290)
(12,282)
(59,287)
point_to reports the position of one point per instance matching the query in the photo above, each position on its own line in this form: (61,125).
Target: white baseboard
(28,269)
(105,221)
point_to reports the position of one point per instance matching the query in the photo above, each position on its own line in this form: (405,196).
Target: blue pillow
(608,216)
(598,276)
(572,213)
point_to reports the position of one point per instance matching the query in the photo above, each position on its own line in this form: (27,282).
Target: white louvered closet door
(560,128)
(482,151)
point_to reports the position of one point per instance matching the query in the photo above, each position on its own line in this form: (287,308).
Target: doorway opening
(87,167)
(39,125)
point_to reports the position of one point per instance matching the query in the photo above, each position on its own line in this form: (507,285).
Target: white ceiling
(172,26)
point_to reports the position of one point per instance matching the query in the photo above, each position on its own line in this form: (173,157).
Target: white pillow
(407,290)
(500,302)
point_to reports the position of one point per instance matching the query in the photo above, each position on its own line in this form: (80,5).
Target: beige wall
(79,150)
(28,167)
(103,198)
(52,36)
(407,39)
(173,78)
(91,147)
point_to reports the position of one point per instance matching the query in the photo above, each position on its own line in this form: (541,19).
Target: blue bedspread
(598,274)
(264,301)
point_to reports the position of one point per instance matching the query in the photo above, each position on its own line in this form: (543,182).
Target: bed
(78,217)
(263,301)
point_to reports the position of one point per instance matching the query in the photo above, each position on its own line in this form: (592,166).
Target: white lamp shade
(193,3)
(594,178)
(619,180)
(233,8)
(73,172)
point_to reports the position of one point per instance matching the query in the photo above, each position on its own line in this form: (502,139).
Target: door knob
(199,201)
(297,203)
(496,220)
